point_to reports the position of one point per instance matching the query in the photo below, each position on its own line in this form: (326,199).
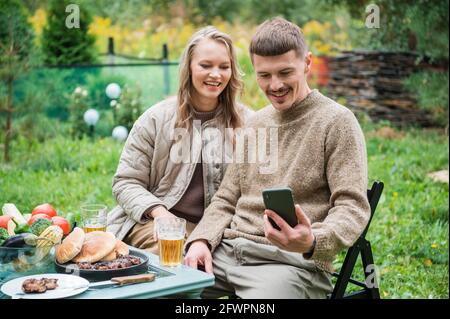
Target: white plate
(68,285)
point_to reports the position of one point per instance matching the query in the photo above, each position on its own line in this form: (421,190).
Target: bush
(96,84)
(65,95)
(47,91)
(78,105)
(420,26)
(431,89)
(129,107)
(36,127)
(105,124)
(63,45)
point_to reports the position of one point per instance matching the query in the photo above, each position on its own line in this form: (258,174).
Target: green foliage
(78,105)
(93,95)
(96,84)
(105,124)
(129,107)
(428,21)
(45,94)
(206,10)
(36,127)
(16,45)
(46,91)
(252,94)
(15,31)
(130,12)
(255,11)
(431,89)
(420,26)
(63,45)
(297,11)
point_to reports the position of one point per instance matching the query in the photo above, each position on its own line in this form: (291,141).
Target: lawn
(409,233)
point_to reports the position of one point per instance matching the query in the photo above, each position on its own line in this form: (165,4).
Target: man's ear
(308,61)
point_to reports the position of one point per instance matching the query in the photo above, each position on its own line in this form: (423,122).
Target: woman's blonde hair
(227,99)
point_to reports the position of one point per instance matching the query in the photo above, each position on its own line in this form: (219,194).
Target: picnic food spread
(97,250)
(39,285)
(26,241)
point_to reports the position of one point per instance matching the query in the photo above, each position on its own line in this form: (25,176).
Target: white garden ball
(120,133)
(91,116)
(113,90)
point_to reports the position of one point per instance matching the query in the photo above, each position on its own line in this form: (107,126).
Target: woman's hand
(159,211)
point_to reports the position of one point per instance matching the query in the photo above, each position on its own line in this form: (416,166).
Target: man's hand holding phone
(299,238)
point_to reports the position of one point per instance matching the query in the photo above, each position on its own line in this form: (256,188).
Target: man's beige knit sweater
(321,157)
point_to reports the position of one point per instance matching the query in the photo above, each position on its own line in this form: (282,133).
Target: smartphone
(280,200)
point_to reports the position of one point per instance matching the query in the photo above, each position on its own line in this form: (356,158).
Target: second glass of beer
(171,233)
(93,217)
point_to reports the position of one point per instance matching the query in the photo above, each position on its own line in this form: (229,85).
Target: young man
(322,158)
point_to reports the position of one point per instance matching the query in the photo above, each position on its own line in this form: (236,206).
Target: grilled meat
(118,263)
(39,285)
(50,283)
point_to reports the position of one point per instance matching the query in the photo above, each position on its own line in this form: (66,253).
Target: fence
(156,78)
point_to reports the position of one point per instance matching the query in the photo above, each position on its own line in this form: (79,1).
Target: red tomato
(37,216)
(46,209)
(4,221)
(62,223)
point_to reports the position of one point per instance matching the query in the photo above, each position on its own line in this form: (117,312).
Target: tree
(16,41)
(130,13)
(256,11)
(420,26)
(65,39)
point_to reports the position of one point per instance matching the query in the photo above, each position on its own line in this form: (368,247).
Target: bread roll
(120,249)
(97,244)
(71,246)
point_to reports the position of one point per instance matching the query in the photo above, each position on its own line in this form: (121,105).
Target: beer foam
(171,236)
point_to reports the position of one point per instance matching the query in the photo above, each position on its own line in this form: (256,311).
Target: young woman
(152,180)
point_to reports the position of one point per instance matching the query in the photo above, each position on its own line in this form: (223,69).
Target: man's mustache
(283,90)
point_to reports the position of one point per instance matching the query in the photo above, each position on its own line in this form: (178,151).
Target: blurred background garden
(394,77)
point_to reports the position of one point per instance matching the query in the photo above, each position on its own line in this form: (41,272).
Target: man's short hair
(278,36)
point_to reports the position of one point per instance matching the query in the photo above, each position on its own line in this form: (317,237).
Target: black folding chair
(370,286)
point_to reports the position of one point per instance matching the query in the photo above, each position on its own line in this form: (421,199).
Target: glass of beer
(93,217)
(171,232)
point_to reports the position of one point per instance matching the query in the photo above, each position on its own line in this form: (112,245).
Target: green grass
(409,233)
(63,172)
